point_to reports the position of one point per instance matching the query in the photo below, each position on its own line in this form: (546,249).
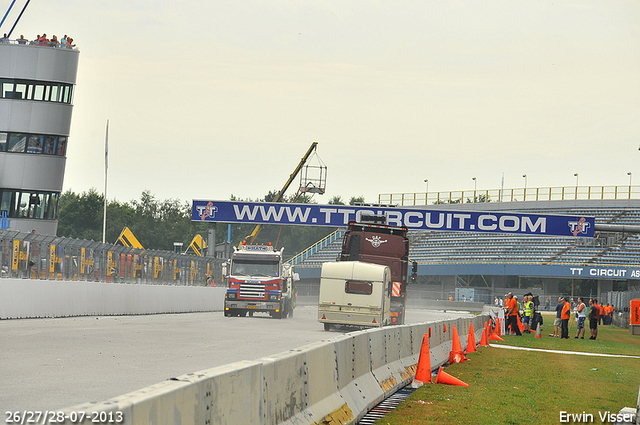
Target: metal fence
(46,257)
(511,195)
(621,300)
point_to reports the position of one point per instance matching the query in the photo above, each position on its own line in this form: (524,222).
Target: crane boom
(252,236)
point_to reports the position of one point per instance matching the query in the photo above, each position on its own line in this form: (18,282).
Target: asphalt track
(49,364)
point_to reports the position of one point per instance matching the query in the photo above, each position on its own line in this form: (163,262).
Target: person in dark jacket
(593,318)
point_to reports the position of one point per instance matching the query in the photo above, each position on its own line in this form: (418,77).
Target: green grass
(521,387)
(611,340)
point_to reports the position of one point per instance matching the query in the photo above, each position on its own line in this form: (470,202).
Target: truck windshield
(255,268)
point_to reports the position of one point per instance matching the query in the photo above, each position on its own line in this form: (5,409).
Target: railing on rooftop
(512,195)
(37,43)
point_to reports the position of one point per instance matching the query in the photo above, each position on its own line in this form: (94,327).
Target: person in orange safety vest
(600,314)
(565,316)
(512,310)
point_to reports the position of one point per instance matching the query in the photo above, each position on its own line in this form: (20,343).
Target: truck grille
(252,290)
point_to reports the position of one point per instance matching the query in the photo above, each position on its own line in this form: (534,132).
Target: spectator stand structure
(448,260)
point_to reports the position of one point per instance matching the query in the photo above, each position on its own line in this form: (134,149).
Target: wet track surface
(56,363)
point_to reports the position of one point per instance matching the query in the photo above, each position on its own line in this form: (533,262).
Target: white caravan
(354,293)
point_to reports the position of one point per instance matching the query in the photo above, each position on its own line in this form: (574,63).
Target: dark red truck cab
(372,241)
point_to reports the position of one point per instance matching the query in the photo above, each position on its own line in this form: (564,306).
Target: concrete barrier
(335,381)
(26,298)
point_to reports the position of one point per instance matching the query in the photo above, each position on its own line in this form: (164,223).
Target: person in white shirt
(581,312)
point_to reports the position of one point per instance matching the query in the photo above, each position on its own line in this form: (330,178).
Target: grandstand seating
(433,247)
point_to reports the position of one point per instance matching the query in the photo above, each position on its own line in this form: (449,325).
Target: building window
(29,204)
(33,143)
(5,201)
(62,146)
(17,142)
(49,145)
(36,90)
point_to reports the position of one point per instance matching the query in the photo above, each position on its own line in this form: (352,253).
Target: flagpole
(106,165)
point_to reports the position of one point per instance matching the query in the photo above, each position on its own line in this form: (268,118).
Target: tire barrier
(334,381)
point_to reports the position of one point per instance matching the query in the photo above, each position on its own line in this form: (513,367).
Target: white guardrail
(329,382)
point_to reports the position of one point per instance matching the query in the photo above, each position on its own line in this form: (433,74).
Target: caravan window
(358,287)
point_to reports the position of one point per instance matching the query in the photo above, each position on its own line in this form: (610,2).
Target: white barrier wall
(26,298)
(335,381)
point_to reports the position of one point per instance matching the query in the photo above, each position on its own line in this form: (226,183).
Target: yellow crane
(309,186)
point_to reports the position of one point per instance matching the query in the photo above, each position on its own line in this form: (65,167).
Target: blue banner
(413,218)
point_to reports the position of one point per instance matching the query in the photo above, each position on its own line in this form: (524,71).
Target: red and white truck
(259,282)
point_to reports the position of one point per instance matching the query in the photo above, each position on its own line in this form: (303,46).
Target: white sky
(209,99)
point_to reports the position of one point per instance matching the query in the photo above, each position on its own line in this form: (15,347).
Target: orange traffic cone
(520,325)
(495,337)
(471,340)
(456,355)
(456,340)
(423,373)
(484,341)
(538,331)
(444,378)
(496,332)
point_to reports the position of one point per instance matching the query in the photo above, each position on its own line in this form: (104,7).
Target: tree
(356,200)
(160,224)
(336,200)
(81,215)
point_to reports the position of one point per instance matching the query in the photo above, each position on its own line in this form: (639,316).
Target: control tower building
(37,81)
